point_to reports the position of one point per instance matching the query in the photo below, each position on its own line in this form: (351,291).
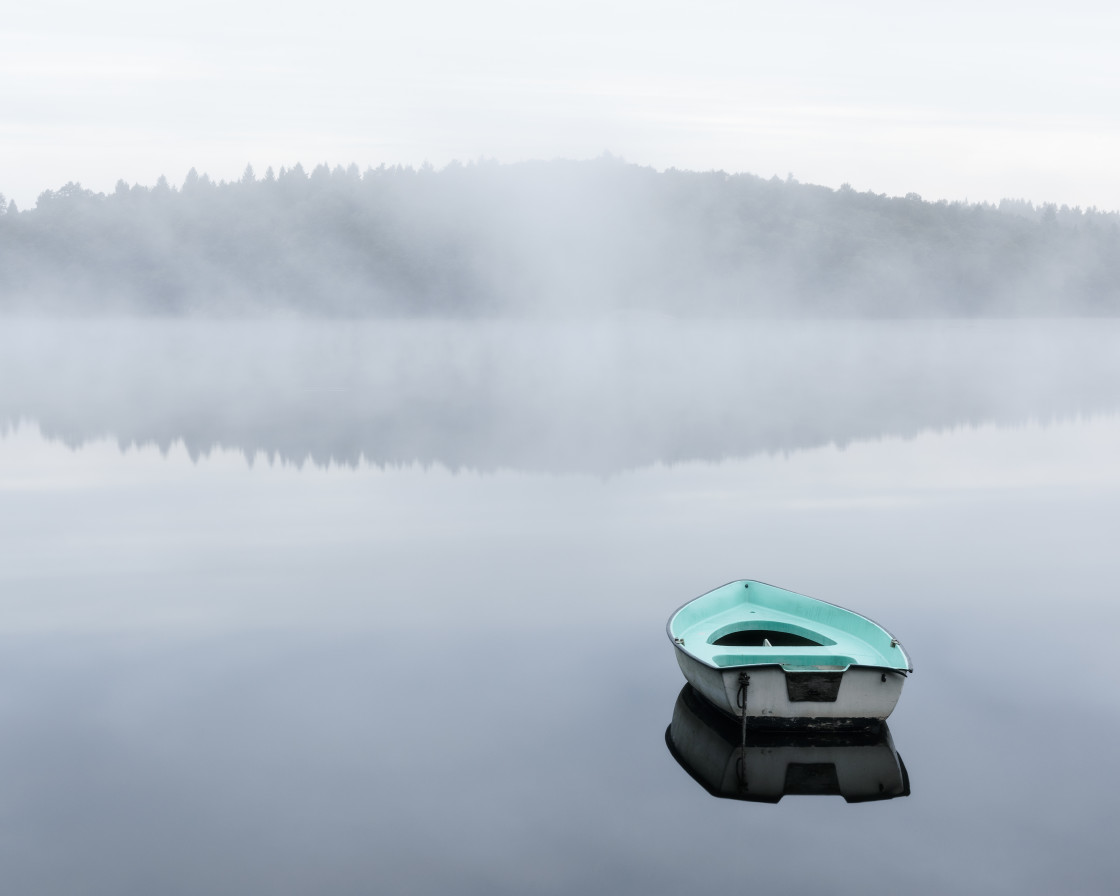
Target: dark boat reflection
(764,766)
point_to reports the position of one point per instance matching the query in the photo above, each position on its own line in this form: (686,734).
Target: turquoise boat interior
(748,623)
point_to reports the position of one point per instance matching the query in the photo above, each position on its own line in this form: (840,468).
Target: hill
(547,238)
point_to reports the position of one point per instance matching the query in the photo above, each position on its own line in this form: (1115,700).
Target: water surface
(360,610)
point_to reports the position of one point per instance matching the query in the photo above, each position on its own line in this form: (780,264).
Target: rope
(741,698)
(741,701)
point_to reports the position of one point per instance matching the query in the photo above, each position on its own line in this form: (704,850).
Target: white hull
(864,695)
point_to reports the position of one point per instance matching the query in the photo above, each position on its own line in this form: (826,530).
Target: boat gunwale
(784,666)
(669,632)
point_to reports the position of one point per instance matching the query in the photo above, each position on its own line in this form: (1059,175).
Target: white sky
(956,100)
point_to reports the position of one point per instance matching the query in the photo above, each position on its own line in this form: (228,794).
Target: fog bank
(548,238)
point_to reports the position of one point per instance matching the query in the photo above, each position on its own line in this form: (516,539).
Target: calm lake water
(336,608)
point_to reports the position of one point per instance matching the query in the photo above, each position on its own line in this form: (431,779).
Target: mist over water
(551,397)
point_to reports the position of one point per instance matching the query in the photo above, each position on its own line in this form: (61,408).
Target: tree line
(560,237)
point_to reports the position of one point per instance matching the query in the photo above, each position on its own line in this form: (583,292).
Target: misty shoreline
(558,239)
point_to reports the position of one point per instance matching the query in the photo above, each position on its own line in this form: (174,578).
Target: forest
(590,238)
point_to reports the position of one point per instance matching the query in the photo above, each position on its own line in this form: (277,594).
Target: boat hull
(775,658)
(862,696)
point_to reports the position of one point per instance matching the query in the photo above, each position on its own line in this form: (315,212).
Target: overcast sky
(956,100)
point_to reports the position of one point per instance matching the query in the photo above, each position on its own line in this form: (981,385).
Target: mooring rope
(741,697)
(741,701)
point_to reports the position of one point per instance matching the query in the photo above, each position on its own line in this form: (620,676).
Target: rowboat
(859,765)
(774,658)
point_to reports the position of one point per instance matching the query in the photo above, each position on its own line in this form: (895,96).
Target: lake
(297,607)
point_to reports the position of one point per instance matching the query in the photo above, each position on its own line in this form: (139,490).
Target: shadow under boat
(764,766)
